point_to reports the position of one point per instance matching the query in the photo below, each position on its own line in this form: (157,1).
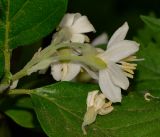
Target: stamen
(142,59)
(108,104)
(128,75)
(64,70)
(130,58)
(147,95)
(128,67)
(129,70)
(128,64)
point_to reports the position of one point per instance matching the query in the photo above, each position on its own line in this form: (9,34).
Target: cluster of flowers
(116,58)
(73,52)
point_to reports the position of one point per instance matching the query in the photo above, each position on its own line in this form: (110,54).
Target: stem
(7,60)
(48,52)
(45,53)
(20,92)
(91,61)
(6,51)
(19,74)
(6,41)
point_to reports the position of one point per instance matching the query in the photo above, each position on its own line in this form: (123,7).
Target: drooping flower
(74,25)
(69,70)
(64,71)
(96,104)
(119,51)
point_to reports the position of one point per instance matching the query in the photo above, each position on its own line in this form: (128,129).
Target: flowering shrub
(70,108)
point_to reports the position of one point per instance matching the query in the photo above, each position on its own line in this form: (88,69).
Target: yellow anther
(129,67)
(128,64)
(128,70)
(128,75)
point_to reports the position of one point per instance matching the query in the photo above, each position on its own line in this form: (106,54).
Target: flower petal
(56,71)
(76,17)
(101,39)
(67,20)
(104,111)
(72,71)
(120,51)
(82,25)
(79,38)
(91,98)
(118,35)
(117,76)
(93,74)
(109,89)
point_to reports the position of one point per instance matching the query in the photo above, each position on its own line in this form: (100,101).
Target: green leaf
(1,64)
(152,22)
(60,109)
(20,109)
(26,21)
(148,71)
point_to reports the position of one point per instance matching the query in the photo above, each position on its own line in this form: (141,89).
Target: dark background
(106,16)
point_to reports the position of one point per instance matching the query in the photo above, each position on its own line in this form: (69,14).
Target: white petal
(120,51)
(99,101)
(101,39)
(76,17)
(109,89)
(117,75)
(67,20)
(118,35)
(82,25)
(72,71)
(93,74)
(104,111)
(91,98)
(56,71)
(79,38)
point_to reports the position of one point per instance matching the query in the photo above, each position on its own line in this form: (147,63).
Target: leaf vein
(19,11)
(36,26)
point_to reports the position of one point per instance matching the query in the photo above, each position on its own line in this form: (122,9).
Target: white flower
(101,39)
(96,104)
(69,70)
(64,71)
(76,25)
(113,77)
(98,101)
